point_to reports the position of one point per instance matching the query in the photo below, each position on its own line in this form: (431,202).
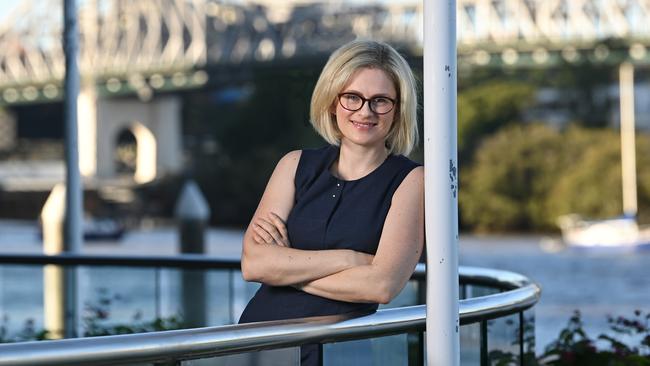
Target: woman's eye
(380,101)
(352,98)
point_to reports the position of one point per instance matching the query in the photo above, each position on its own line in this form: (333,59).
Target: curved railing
(518,294)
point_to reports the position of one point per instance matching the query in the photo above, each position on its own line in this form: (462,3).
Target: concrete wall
(156,126)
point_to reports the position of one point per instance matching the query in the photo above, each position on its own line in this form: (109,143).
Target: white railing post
(441,182)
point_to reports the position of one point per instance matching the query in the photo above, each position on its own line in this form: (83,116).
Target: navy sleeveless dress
(329,213)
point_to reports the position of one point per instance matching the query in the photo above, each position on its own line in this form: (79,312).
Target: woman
(341,228)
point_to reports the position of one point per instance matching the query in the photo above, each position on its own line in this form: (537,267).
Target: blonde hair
(340,67)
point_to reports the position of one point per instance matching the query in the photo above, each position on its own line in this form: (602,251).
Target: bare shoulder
(416,175)
(411,189)
(413,182)
(279,193)
(290,160)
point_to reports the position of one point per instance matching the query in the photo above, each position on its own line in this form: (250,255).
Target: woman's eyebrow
(352,91)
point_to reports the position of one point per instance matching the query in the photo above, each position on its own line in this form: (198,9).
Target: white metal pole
(441,182)
(628,145)
(73,197)
(73,231)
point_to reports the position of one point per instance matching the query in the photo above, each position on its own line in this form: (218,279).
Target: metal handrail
(219,341)
(223,340)
(189,261)
(477,276)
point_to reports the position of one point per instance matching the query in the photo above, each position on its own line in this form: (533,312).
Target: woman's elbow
(254,269)
(385,293)
(248,270)
(383,298)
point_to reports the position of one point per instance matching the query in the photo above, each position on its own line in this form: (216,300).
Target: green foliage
(250,135)
(583,87)
(485,108)
(574,347)
(590,183)
(27,333)
(97,322)
(506,187)
(525,176)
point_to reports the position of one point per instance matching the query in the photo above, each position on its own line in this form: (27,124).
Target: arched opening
(126,153)
(135,153)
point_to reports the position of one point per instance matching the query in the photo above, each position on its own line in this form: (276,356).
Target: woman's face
(365,127)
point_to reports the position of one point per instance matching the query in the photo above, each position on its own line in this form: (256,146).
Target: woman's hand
(271,230)
(400,245)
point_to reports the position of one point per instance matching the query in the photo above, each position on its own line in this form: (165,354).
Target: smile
(363,125)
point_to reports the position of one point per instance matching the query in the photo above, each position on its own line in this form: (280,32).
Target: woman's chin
(365,141)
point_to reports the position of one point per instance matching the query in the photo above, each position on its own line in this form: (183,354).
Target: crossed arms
(338,274)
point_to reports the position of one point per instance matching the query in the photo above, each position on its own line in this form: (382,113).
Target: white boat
(615,234)
(620,233)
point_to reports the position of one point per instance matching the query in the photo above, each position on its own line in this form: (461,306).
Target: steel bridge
(151,50)
(143,46)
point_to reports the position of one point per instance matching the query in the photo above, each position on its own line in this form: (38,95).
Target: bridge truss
(144,45)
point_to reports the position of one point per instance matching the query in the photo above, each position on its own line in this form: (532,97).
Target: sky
(7,5)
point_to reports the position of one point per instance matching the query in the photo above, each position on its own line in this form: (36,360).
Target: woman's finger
(282,228)
(263,234)
(270,229)
(280,225)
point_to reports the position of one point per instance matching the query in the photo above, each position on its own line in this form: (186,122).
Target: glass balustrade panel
(504,340)
(276,357)
(380,351)
(470,345)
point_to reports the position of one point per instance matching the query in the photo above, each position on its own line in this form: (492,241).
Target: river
(598,284)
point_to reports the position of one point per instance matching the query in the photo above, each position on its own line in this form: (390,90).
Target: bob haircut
(336,74)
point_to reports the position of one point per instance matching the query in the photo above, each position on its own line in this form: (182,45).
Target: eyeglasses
(353,102)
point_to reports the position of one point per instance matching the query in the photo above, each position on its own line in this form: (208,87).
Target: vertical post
(522,330)
(193,213)
(628,145)
(73,197)
(441,182)
(54,277)
(485,360)
(231,296)
(64,206)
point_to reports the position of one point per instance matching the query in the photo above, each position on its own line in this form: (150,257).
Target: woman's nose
(365,109)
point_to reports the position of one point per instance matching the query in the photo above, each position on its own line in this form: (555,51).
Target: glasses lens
(351,101)
(381,105)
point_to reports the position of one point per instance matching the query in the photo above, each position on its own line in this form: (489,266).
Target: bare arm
(399,249)
(280,265)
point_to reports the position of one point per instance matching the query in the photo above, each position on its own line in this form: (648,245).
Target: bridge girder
(143,45)
(154,44)
(535,21)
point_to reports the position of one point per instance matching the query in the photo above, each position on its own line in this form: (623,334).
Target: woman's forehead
(371,80)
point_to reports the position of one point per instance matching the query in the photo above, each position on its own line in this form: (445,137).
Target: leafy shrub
(525,176)
(512,173)
(574,347)
(485,108)
(590,183)
(97,322)
(96,319)
(27,333)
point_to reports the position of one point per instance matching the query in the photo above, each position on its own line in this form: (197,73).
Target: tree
(484,109)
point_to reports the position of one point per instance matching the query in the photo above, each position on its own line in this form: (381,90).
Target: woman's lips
(363,125)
